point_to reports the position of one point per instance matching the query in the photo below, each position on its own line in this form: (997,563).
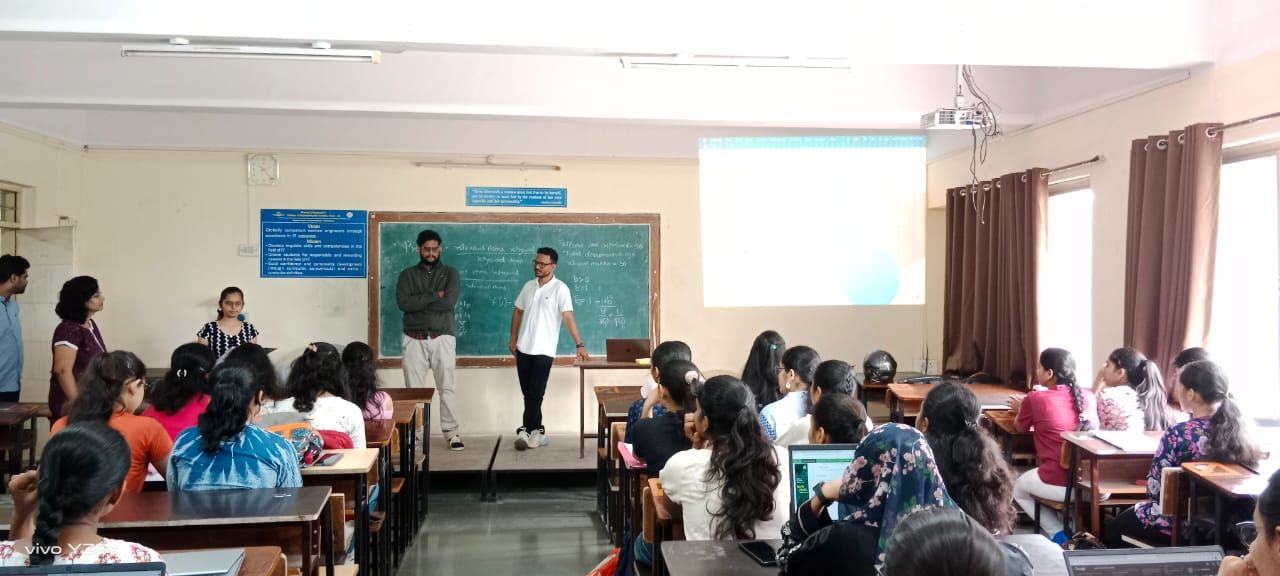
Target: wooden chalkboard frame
(375,263)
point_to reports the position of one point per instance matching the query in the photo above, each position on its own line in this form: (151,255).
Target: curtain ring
(998,186)
(1044,175)
(1209,133)
(1024,178)
(1146,147)
(1162,144)
(1182,138)
(986,187)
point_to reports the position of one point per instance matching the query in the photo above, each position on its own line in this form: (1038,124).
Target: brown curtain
(1172,237)
(990,321)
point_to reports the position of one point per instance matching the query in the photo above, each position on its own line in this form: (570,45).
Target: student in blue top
(650,403)
(225,451)
(799,364)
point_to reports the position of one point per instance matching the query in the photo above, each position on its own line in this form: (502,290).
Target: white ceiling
(528,78)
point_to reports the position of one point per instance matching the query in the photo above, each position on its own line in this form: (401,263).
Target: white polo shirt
(543,308)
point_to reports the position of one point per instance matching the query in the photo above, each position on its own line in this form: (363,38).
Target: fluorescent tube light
(487,164)
(674,62)
(251,52)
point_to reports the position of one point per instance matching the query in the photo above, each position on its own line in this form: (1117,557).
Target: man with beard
(13,281)
(427,293)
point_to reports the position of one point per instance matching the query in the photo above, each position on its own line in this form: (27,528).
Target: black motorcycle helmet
(879,367)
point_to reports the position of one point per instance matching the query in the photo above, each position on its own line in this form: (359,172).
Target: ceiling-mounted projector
(962,118)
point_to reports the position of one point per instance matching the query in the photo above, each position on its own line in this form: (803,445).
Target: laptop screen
(1186,561)
(814,463)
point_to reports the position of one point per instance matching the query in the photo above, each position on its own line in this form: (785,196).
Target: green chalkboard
(609,263)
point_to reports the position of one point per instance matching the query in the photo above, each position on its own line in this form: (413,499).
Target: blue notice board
(314,243)
(518,197)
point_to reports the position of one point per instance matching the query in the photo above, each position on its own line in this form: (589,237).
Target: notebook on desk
(224,562)
(1128,441)
(142,569)
(1185,561)
(814,463)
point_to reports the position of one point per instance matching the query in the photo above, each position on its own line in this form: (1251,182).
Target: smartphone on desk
(760,551)
(328,459)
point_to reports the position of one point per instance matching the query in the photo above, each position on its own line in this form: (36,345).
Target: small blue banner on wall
(518,197)
(314,243)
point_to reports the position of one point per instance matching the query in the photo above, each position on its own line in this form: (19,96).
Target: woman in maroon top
(1062,405)
(76,340)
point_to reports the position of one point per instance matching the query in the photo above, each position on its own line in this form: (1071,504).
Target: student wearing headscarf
(892,475)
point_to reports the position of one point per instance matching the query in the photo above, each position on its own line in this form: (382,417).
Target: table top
(917,392)
(1046,557)
(214,507)
(602,364)
(1094,446)
(353,461)
(404,411)
(713,558)
(1006,421)
(1231,479)
(258,560)
(12,413)
(419,395)
(377,433)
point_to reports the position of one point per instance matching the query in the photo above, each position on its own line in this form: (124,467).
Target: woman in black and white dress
(229,330)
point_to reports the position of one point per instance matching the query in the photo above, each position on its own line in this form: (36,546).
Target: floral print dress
(1184,442)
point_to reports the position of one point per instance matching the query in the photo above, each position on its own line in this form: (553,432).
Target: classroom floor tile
(535,531)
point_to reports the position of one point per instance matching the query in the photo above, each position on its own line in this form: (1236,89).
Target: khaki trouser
(439,355)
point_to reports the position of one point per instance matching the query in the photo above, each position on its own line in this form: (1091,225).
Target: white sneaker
(538,439)
(522,439)
(455,442)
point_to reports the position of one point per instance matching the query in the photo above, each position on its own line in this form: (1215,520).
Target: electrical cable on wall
(988,125)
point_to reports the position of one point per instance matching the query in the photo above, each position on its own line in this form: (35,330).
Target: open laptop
(1185,561)
(814,463)
(625,349)
(221,562)
(142,569)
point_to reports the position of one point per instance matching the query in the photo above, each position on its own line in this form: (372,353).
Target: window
(1244,330)
(8,220)
(1066,278)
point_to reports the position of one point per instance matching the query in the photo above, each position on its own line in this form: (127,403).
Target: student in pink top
(1062,405)
(178,401)
(362,380)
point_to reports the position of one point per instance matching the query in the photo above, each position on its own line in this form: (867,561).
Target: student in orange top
(111,391)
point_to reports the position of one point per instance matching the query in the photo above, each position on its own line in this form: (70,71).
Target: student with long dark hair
(362,379)
(1263,558)
(892,475)
(649,405)
(838,419)
(795,378)
(229,329)
(1130,393)
(655,439)
(968,458)
(760,373)
(1217,431)
(943,542)
(57,509)
(264,372)
(181,397)
(76,340)
(831,377)
(318,381)
(1064,406)
(731,484)
(110,392)
(226,451)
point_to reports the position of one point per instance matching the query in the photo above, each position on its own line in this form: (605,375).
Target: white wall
(160,230)
(1234,92)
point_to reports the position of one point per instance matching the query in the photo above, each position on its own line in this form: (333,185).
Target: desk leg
(895,407)
(1219,518)
(326,538)
(1192,533)
(1095,507)
(1070,516)
(15,452)
(389,517)
(362,523)
(426,460)
(602,472)
(619,517)
(31,456)
(582,412)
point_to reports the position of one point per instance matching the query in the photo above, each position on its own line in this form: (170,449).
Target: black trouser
(10,396)
(1128,524)
(533,372)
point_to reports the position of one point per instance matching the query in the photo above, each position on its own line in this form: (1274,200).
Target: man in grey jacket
(427,293)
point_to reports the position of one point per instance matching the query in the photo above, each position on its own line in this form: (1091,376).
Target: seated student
(1217,431)
(1263,558)
(289,424)
(1130,393)
(732,483)
(648,404)
(656,439)
(318,382)
(110,392)
(1063,406)
(943,542)
(968,458)
(180,398)
(760,373)
(831,377)
(838,419)
(892,475)
(795,377)
(226,452)
(56,509)
(362,379)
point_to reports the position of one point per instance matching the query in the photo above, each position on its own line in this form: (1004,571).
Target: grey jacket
(425,312)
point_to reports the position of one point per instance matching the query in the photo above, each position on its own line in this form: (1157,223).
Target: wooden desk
(905,399)
(351,476)
(1046,557)
(290,518)
(420,480)
(1086,446)
(612,403)
(1004,426)
(713,558)
(13,416)
(378,434)
(1225,481)
(258,561)
(632,476)
(594,364)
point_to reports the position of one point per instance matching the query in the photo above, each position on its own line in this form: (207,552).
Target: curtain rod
(1096,159)
(1211,132)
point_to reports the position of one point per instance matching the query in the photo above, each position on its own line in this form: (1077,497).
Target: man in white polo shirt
(535,332)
